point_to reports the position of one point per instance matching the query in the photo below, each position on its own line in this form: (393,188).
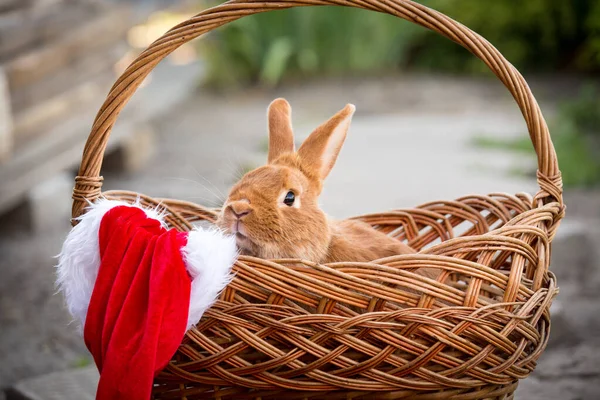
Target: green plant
(81,362)
(535,35)
(579,161)
(521,144)
(265,48)
(576,137)
(584,111)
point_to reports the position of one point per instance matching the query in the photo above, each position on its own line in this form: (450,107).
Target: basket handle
(88,183)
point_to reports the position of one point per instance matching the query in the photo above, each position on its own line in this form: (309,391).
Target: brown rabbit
(274,212)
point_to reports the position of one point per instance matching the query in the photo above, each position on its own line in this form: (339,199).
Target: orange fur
(281,139)
(373,244)
(266,227)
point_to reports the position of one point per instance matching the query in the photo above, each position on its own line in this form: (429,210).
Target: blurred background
(431,123)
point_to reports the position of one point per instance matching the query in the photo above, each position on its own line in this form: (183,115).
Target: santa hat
(135,287)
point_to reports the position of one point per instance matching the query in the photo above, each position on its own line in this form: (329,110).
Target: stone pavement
(409,143)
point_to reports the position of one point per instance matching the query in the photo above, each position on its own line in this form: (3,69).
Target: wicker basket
(295,329)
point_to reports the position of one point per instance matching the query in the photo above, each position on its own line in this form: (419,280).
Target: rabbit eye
(289,198)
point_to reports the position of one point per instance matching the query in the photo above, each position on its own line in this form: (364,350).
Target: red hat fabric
(136,287)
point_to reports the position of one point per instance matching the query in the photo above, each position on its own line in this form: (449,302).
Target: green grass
(576,137)
(263,145)
(579,162)
(578,158)
(518,145)
(82,362)
(521,145)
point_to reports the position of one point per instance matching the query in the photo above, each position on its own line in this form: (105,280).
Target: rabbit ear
(320,150)
(281,135)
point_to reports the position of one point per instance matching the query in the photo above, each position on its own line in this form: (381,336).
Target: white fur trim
(79,259)
(209,256)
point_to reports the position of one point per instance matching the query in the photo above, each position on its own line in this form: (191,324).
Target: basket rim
(541,222)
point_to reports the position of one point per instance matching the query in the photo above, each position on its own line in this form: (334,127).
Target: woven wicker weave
(297,330)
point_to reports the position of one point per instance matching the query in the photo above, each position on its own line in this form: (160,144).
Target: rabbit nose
(240,208)
(240,214)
